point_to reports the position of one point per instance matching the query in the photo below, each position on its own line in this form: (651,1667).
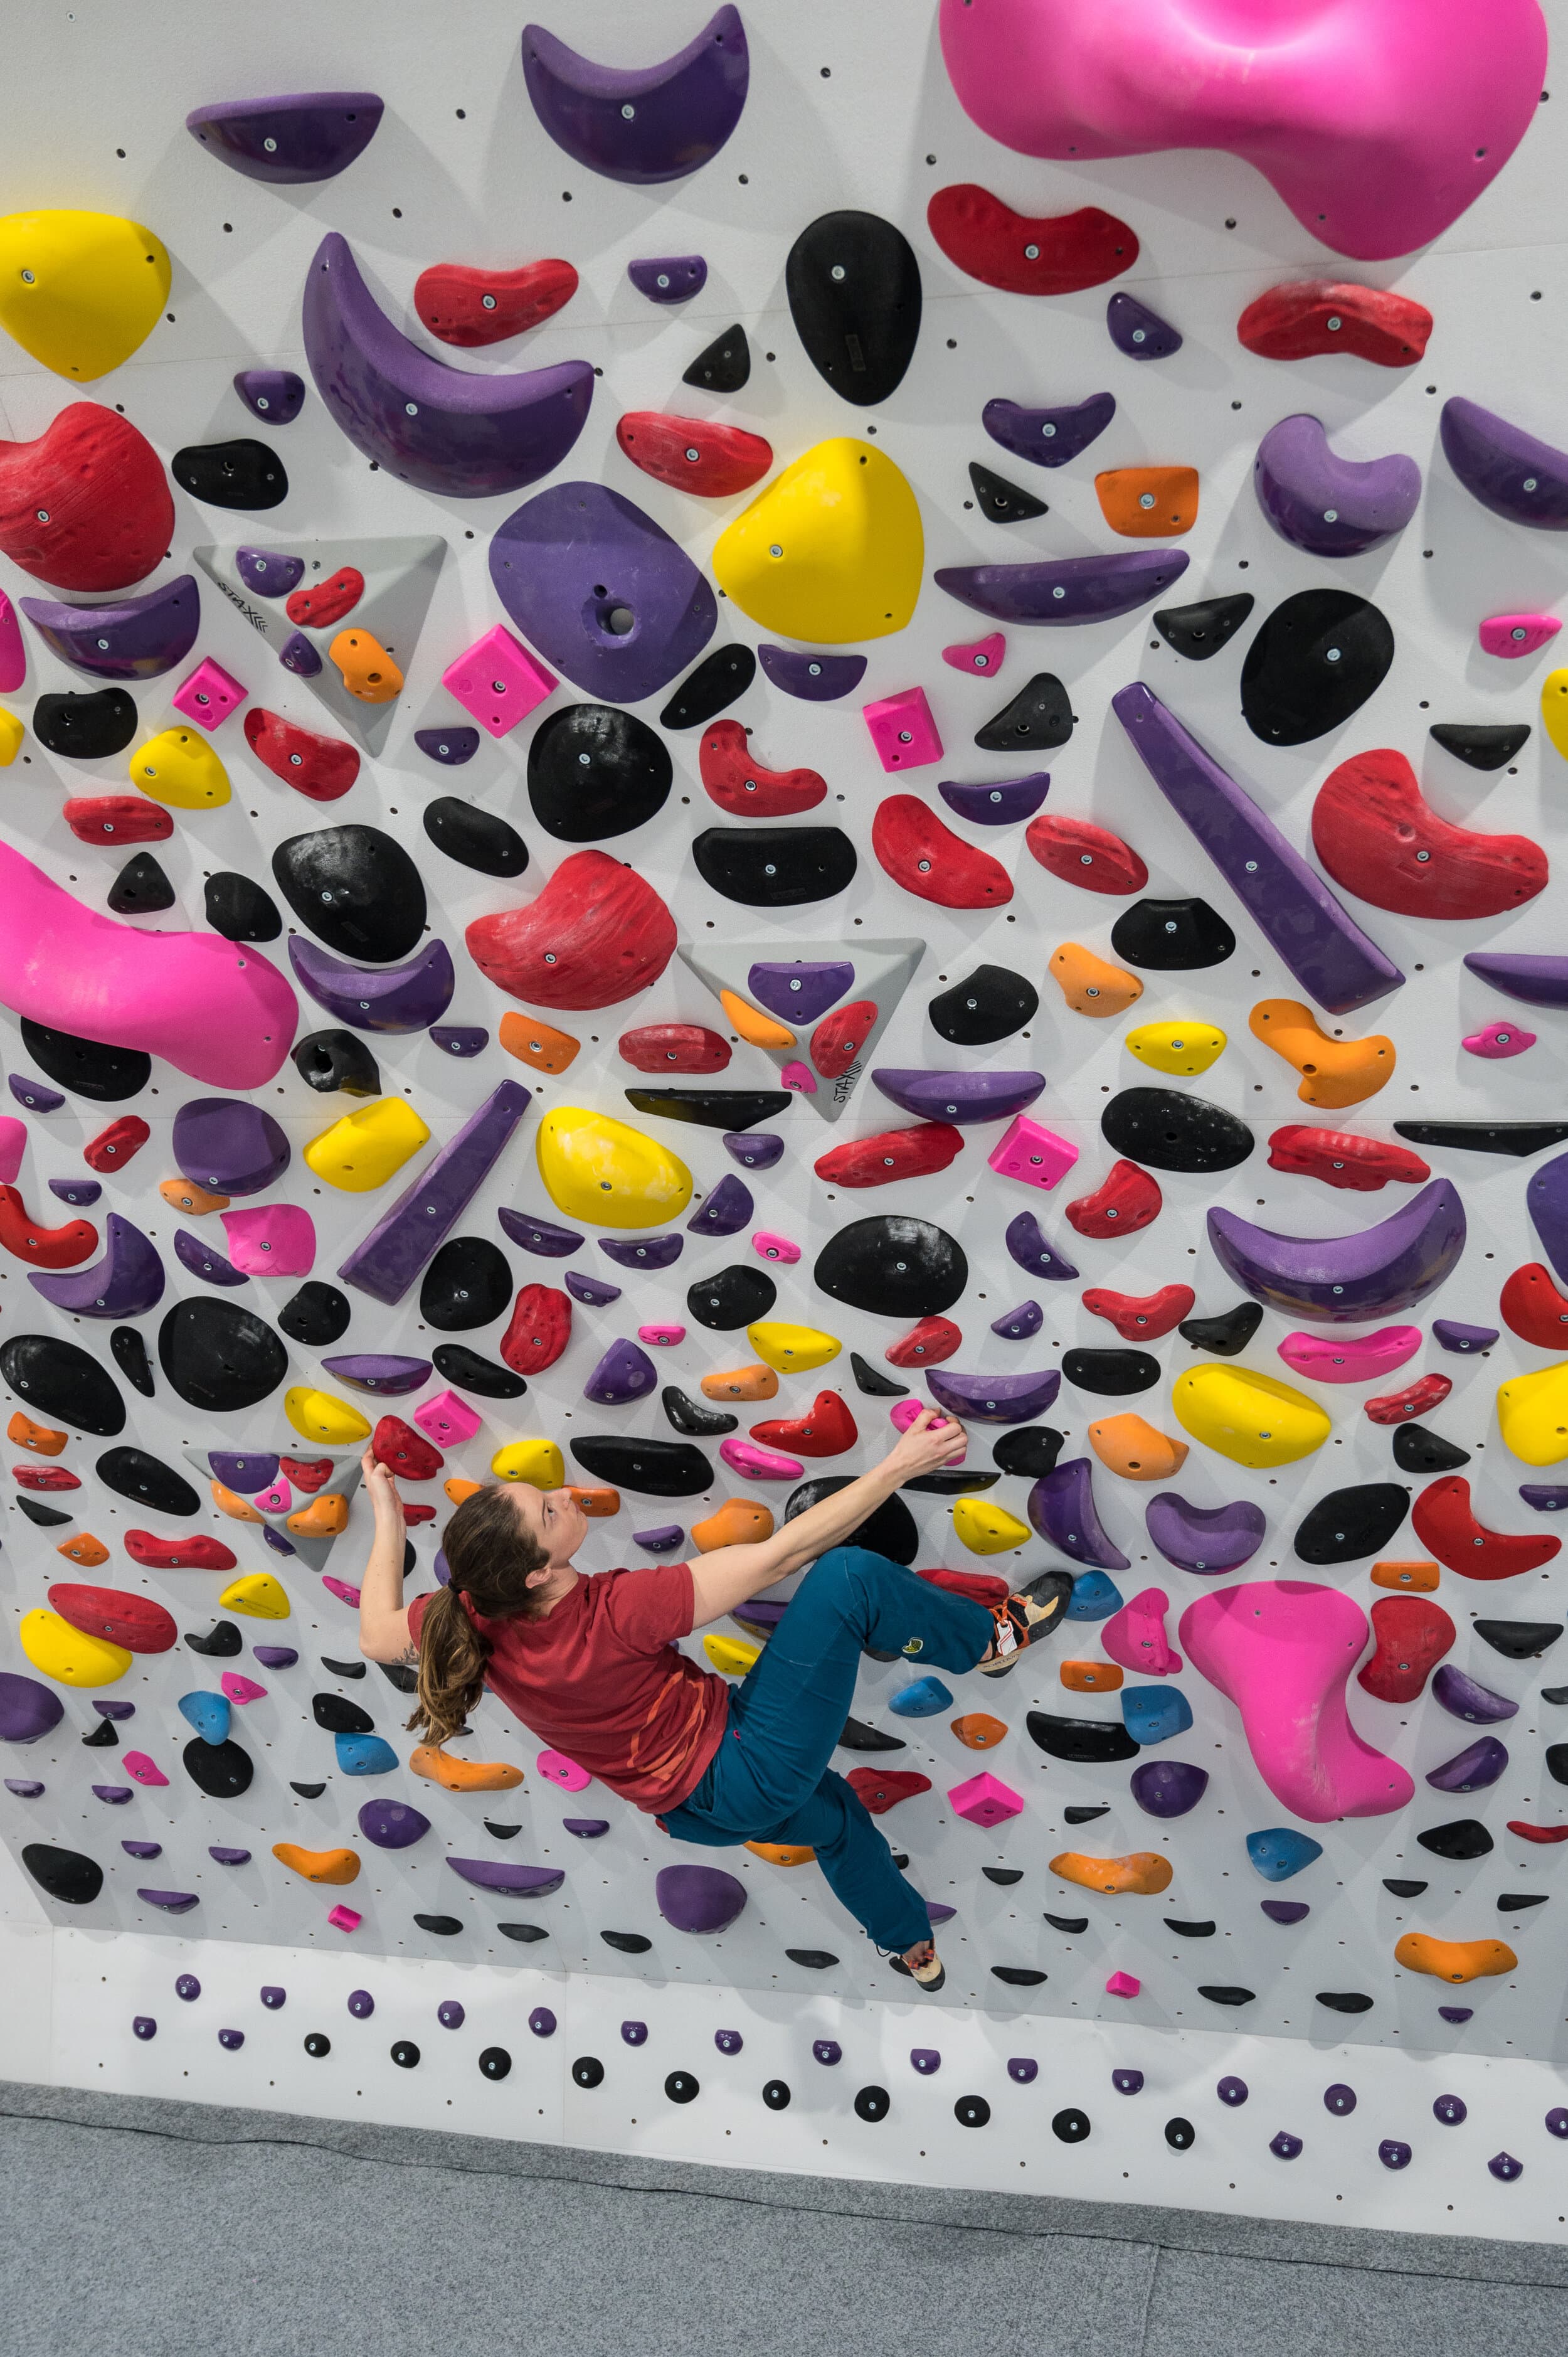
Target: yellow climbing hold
(986,1528)
(81,291)
(364,1149)
(1554,710)
(757,1029)
(831,550)
(538,1462)
(597,1168)
(317,1415)
(791,1349)
(1333,1072)
(729,1656)
(1532,1414)
(68,1655)
(11,734)
(1251,1418)
(1184,1048)
(180,767)
(258,1595)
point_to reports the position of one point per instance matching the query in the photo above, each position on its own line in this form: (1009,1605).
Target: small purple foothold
(28,1709)
(1065,590)
(1139,332)
(34,1094)
(757,1150)
(926,2060)
(27,1788)
(1394,2155)
(136,638)
(231,2040)
(1061,1507)
(227,1857)
(1232,2091)
(1505,2168)
(386,1263)
(393,1825)
(541,1236)
(635,2033)
(1127,2082)
(1339,2099)
(801,990)
(1466,1697)
(647,1253)
(139,1849)
(698,1898)
(450,2013)
(1021,1324)
(127,1281)
(300,657)
(542,2021)
(1027,1247)
(188,1987)
(1545,1497)
(450,747)
(83,1192)
(1451,1335)
(591,1289)
(270,573)
(248,1472)
(624,1373)
(361,2004)
(390,999)
(1557,2121)
(116,1710)
(275,395)
(1049,437)
(728,1208)
(460,1038)
(172,1903)
(669,277)
(275,1657)
(815,678)
(205,1260)
(114,1796)
(276,1541)
(1457,2013)
(586,1828)
(1286,2146)
(386,1372)
(1285,1911)
(1327,505)
(662,1540)
(959,1096)
(828,2051)
(728,2042)
(1450,2111)
(1003,802)
(1207,1539)
(574,560)
(1167,1788)
(273,1997)
(1472,1769)
(228,1146)
(144,2027)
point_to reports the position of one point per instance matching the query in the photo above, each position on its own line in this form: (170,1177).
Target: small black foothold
(1419,1451)
(989,1003)
(141,889)
(240,908)
(326,1061)
(1227,1334)
(1035,720)
(1352,1522)
(238,474)
(717,681)
(1001,502)
(722,366)
(1200,630)
(1482,744)
(873,1382)
(1172,936)
(475,838)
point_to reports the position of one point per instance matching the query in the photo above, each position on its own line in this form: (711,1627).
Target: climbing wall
(675,781)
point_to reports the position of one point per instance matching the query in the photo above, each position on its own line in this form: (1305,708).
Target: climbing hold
(1133,1447)
(1173,936)
(1455,1960)
(1126,1200)
(1351,1360)
(914,847)
(1148,503)
(85,506)
(1062,1509)
(1446,1526)
(1509,471)
(1184,1049)
(1312,663)
(1530,1410)
(475,838)
(1199,631)
(321,767)
(85,728)
(1412,1636)
(1138,331)
(850,548)
(647,125)
(135,639)
(853,289)
(600,1169)
(890,1155)
(1142,1874)
(470,308)
(1210,1539)
(1352,1522)
(1363,1164)
(595,772)
(1300,319)
(894,1266)
(902,733)
(1089,986)
(1059,254)
(698,455)
(307,136)
(595,933)
(242,474)
(1336,1279)
(1174,1131)
(980,656)
(81,291)
(573,562)
(1246,1416)
(1037,719)
(1049,437)
(1325,504)
(1376,834)
(743,786)
(1064,591)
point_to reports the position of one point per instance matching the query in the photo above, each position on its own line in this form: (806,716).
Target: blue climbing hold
(209,1714)
(922,1699)
(364,1755)
(1281,1852)
(1095,1596)
(1154,1714)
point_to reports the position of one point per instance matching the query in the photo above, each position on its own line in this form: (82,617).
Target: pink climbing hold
(556,1768)
(272,1240)
(903,730)
(499,681)
(982,656)
(341,1590)
(985,1799)
(208,695)
(768,1245)
(276,1500)
(1282,1650)
(1512,635)
(13,1145)
(145,1771)
(344,1919)
(796,1075)
(1122,1985)
(1136,1637)
(1036,1157)
(13,653)
(240,1688)
(1498,1041)
(755,1464)
(1353,1359)
(661,1337)
(904,1415)
(446,1420)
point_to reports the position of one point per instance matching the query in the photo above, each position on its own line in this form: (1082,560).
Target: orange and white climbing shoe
(1035,1612)
(921,1964)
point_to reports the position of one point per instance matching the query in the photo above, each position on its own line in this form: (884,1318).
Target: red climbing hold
(117,820)
(403,1452)
(980,1587)
(63,1247)
(134,1622)
(595,935)
(1127,1200)
(927,858)
(1076,851)
(1533,1307)
(881,1789)
(539,1329)
(1416,1399)
(840,1037)
(1377,836)
(1141,1318)
(1537,1833)
(113,1147)
(1325,315)
(1412,1633)
(738,781)
(1052,254)
(925,1345)
(694,454)
(321,767)
(1365,1165)
(196,1554)
(326,602)
(891,1155)
(413,1512)
(469,308)
(674,1047)
(44,1477)
(1444,1521)
(87,505)
(826,1429)
(306,1472)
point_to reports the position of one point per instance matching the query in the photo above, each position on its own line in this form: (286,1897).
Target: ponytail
(489,1557)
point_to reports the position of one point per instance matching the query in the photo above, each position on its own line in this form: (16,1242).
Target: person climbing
(590,1663)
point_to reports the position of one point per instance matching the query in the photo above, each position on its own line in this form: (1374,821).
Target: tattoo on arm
(410,1656)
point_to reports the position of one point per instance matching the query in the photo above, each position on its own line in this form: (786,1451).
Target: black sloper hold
(731,1298)
(306,1792)
(475,838)
(1180,2135)
(47,1518)
(1419,1451)
(1314,662)
(85,728)
(524,1931)
(338,1715)
(1482,744)
(652,1469)
(893,1265)
(1400,1888)
(1517,1641)
(596,771)
(221,1770)
(1071,1925)
(240,908)
(344,1669)
(1548,1694)
(693,1417)
(1030,1450)
(718,680)
(775,867)
(723,366)
(858,1736)
(132,1473)
(1345,2000)
(1557,1762)
(103,1738)
(1200,629)
(1096,1742)
(989,1003)
(141,889)
(1225,1335)
(399,1674)
(873,1382)
(317,1314)
(88,1067)
(56,1380)
(853,289)
(1115,1374)
(1228,1993)
(1038,717)
(495,2062)
(1005,1876)
(1465,1837)
(1514,1903)
(131,1357)
(63,1874)
(240,474)
(467,1284)
(732,1109)
(890,1529)
(219,1357)
(631,1943)
(1183,1931)
(326,1061)
(1518,1139)
(950,1485)
(816,1960)
(455,1363)
(1082,1814)
(1349,1524)
(1017,1976)
(405,2054)
(1001,502)
(1165,1129)
(1172,936)
(355,888)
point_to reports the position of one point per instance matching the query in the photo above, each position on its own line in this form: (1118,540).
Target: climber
(590,1663)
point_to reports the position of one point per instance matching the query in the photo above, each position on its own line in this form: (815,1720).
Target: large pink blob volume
(1377,122)
(212,1007)
(1282,1650)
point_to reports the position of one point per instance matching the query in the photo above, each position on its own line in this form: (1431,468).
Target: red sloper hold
(925,1345)
(980,1587)
(596,934)
(1365,1165)
(413,1512)
(1128,1198)
(826,1429)
(1376,834)
(195,1554)
(1141,1318)
(113,1147)
(1076,851)
(469,307)
(134,1622)
(930,860)
(1054,254)
(44,1477)
(306,1472)
(840,1037)
(1444,1521)
(87,505)
(693,454)
(882,1789)
(1416,1399)
(1326,315)
(539,1329)
(326,602)
(738,781)
(321,767)
(115,819)
(1412,1633)
(1531,1307)
(674,1047)
(403,1452)
(1537,1833)
(891,1155)
(63,1247)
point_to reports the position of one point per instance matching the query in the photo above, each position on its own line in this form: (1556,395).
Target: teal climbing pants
(770,1780)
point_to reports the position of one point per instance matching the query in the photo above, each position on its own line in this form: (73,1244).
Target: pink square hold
(499,681)
(985,1799)
(208,695)
(1122,1985)
(1036,1157)
(446,1420)
(902,730)
(343,1919)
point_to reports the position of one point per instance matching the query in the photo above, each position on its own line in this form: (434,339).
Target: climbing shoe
(1035,1612)
(927,1969)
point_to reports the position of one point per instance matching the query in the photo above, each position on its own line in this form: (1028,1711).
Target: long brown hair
(489,1556)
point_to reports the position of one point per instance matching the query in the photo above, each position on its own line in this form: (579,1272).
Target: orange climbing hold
(459,1487)
(1089,1677)
(978,1730)
(1455,1960)
(1148,503)
(1333,1072)
(781,1853)
(1413,1579)
(336,1866)
(84,1549)
(185,1195)
(42,1439)
(324,1518)
(238,1509)
(597,1504)
(754,1383)
(439,1766)
(369,672)
(758,1030)
(536,1043)
(1130,1446)
(1089,986)
(1142,1874)
(738,1521)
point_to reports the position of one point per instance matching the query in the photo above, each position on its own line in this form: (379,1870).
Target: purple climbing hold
(114,1796)
(1557,2121)
(1507,470)
(228,1147)
(1168,1788)
(1049,437)
(1127,2082)
(136,638)
(1472,1769)
(1002,802)
(1209,1539)
(256,1470)
(307,135)
(117,1710)
(1061,1507)
(1393,2154)
(221,1856)
(1286,2146)
(1465,1697)
(601,590)
(1450,2111)
(500,1874)
(404,1238)
(698,1898)
(542,2021)
(1450,1334)
(585,1828)
(187,1988)
(460,1038)
(269,572)
(728,1207)
(635,2033)
(275,395)
(450,747)
(828,2051)
(386,998)
(993,1399)
(647,1253)
(926,2060)
(450,2013)
(27,1710)
(28,1788)
(801,990)
(361,2004)
(1285,1911)
(661,1540)
(1339,2099)
(1232,2091)
(1063,590)
(1505,2168)
(541,1236)
(647,124)
(590,1289)
(961,1096)
(206,1261)
(728,2042)
(1533,978)
(275,1657)
(1546,1197)
(1139,332)
(142,2026)
(1457,2013)
(171,1902)
(757,1150)
(299,656)
(1023,2069)
(83,1192)
(814,678)
(34,1094)
(1028,1247)
(1327,505)
(393,1825)
(388,1373)
(127,1281)
(669,277)
(1336,1280)
(231,2040)
(273,1997)
(1021,1324)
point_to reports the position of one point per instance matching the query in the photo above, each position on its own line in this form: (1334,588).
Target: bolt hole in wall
(371,504)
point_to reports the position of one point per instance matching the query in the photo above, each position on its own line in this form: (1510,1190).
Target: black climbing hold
(1483,745)
(653,1469)
(776,2095)
(56,1380)
(815,1960)
(1204,1931)
(989,1003)
(1403,1889)
(1072,2125)
(1465,1837)
(1017,1976)
(691,1418)
(1200,629)
(1172,936)
(1228,1993)
(893,1265)
(495,2062)
(972,2112)
(1514,1903)
(729,1109)
(103,1738)
(1548,1694)
(467,1284)
(1165,1129)
(132,1473)
(326,1061)
(1557,1762)
(1094,1743)
(219,1357)
(1071,1925)
(596,771)
(88,1067)
(1115,1374)
(338,1715)
(718,680)
(1084,1813)
(316,1315)
(64,1873)
(308,1792)
(405,2053)
(873,2103)
(1314,662)
(1419,1451)
(858,1736)
(775,867)
(853,289)
(85,728)
(1180,2135)
(1352,1522)
(344,1669)
(317,2045)
(1005,1876)
(455,1363)
(1518,1139)
(240,908)
(240,474)
(631,1943)
(475,838)
(1038,717)
(722,366)
(1517,1641)
(873,1382)
(221,1770)
(888,1530)
(587,2070)
(1345,2000)
(1031,1449)
(731,1298)
(398,1673)
(45,1518)
(1001,502)
(356,889)
(950,1485)
(141,889)
(502,1833)
(1225,1335)
(131,1357)
(527,1932)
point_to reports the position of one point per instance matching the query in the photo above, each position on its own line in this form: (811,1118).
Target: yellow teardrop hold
(986,1528)
(338,1865)
(369,672)
(729,1656)
(1251,1418)
(594,1167)
(180,769)
(1185,1048)
(256,1594)
(81,291)
(1333,1072)
(11,734)
(364,1149)
(1553,709)
(67,1654)
(791,1349)
(1532,1415)
(537,1462)
(317,1415)
(831,550)
(757,1029)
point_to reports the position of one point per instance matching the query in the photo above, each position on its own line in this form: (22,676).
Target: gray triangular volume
(812,981)
(344,1479)
(400,579)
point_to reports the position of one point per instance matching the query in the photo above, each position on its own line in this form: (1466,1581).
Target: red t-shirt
(599,1679)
